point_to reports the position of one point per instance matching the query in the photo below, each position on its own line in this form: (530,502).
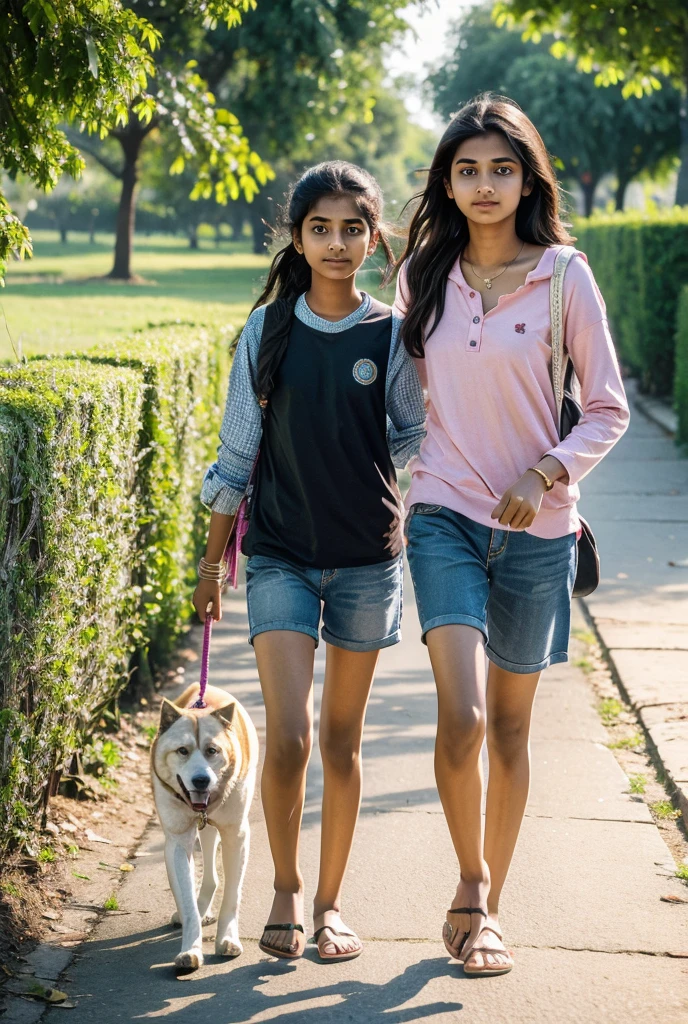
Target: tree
(632,42)
(298,78)
(590,131)
(88,62)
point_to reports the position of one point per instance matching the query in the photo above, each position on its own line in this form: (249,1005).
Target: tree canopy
(627,43)
(589,130)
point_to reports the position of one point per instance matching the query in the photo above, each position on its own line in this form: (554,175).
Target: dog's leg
(209,837)
(180,871)
(235,846)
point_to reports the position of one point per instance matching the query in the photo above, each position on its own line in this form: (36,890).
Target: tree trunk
(131,139)
(682,183)
(63,234)
(192,232)
(620,193)
(588,186)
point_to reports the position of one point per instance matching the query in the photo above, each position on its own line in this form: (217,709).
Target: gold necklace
(488,280)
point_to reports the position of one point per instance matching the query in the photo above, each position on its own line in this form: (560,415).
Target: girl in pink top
(492,524)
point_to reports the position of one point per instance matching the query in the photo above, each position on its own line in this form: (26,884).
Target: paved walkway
(582,908)
(638,503)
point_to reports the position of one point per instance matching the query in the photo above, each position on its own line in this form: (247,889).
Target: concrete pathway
(582,908)
(638,506)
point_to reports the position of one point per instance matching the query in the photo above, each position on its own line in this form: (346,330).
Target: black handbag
(570,413)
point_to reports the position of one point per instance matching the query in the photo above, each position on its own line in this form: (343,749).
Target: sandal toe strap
(468,910)
(326,927)
(283,928)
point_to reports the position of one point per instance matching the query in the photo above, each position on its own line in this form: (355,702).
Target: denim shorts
(514,587)
(361,605)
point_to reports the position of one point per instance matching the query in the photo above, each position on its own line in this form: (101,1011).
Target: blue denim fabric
(514,587)
(361,605)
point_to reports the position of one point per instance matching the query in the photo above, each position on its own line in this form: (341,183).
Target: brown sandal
(280,951)
(449,930)
(490,969)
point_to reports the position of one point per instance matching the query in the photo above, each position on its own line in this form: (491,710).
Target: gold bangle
(549,484)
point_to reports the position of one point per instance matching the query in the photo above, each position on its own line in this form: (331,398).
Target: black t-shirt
(318,494)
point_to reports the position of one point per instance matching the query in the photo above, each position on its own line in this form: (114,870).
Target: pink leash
(231,560)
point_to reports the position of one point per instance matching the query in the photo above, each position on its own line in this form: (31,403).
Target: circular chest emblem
(365,371)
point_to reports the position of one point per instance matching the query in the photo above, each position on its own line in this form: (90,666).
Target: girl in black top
(328,393)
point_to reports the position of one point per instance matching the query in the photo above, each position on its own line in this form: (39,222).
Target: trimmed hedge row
(681,379)
(641,263)
(101,460)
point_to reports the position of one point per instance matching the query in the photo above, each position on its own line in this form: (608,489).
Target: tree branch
(77,141)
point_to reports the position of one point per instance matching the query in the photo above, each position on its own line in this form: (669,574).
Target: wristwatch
(549,484)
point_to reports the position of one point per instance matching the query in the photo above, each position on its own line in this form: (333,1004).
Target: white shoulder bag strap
(556,310)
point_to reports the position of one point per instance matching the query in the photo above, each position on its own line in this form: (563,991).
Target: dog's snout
(200,782)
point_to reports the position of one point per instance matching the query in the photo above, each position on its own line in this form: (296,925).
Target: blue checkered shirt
(242,426)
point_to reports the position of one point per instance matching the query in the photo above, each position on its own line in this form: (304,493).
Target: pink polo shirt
(491,407)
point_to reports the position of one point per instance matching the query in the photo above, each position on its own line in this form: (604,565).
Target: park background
(115,335)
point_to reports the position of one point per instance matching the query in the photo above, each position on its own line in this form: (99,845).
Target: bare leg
(285,667)
(458,663)
(510,699)
(348,678)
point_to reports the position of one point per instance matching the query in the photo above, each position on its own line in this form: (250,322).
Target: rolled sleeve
(405,405)
(226,480)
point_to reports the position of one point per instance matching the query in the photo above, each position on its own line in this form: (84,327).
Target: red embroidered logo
(520,328)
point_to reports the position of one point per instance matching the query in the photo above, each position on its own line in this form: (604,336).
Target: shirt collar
(542,272)
(306,315)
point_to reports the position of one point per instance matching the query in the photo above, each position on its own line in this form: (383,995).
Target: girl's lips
(486,203)
(331,259)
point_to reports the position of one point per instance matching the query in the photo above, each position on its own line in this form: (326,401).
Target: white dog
(203,767)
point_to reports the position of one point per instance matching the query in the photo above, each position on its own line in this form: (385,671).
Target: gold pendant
(488,282)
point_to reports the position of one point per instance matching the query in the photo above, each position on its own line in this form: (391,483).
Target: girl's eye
(353,230)
(507,171)
(183,751)
(466,171)
(319,229)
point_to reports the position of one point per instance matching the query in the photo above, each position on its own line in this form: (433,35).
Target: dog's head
(194,752)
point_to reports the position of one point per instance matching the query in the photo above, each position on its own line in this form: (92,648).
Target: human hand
(520,503)
(207,599)
(395,534)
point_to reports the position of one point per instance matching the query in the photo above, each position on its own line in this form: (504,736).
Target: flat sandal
(489,969)
(449,930)
(351,955)
(280,951)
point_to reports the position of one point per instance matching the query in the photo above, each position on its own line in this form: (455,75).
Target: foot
(189,960)
(287,908)
(462,930)
(492,954)
(330,944)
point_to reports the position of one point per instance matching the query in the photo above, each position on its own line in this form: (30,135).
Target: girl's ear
(296,239)
(528,186)
(372,244)
(448,189)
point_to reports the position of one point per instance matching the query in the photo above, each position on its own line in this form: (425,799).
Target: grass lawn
(58,301)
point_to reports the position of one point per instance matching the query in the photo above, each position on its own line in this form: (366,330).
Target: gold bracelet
(549,484)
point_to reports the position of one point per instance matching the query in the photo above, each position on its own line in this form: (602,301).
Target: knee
(340,748)
(290,751)
(507,737)
(460,737)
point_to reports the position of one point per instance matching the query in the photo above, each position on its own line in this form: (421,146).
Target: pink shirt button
(471,295)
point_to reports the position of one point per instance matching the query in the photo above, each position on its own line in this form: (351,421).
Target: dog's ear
(169,714)
(225,714)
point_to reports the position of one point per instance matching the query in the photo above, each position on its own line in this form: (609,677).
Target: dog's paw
(209,918)
(176,920)
(191,960)
(228,947)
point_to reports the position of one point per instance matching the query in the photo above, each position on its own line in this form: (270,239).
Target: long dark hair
(290,274)
(438,231)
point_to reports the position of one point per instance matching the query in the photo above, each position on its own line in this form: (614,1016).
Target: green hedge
(641,262)
(681,379)
(101,459)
